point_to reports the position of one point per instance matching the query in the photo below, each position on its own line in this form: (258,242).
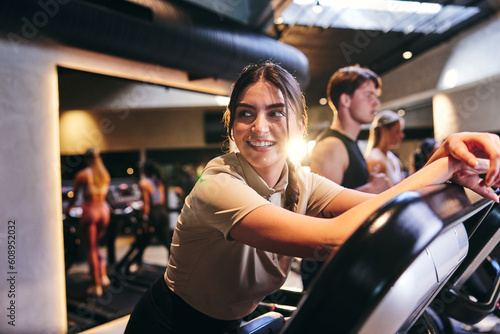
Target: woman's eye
(277,113)
(244,113)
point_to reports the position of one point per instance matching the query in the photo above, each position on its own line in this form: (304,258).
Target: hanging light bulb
(407,54)
(317,8)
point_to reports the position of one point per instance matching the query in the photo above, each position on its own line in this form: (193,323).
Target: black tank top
(356,173)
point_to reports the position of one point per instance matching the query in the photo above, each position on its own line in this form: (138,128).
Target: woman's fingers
(461,152)
(485,191)
(469,177)
(467,147)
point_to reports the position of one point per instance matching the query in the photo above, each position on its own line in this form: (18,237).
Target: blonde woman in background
(386,133)
(94,181)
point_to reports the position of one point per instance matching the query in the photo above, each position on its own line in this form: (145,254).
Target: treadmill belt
(118,300)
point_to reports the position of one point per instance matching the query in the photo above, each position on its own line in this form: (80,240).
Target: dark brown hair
(294,101)
(347,80)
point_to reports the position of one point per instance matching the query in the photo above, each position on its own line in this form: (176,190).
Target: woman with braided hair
(252,211)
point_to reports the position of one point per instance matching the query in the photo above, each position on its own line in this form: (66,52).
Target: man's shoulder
(329,152)
(330,143)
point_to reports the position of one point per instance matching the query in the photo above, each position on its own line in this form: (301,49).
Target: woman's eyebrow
(275,105)
(245,105)
(271,106)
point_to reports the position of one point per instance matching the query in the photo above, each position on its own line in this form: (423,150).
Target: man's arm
(330,159)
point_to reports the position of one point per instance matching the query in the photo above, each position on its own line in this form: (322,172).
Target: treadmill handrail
(482,241)
(353,282)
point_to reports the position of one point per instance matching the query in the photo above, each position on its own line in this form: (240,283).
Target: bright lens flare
(297,150)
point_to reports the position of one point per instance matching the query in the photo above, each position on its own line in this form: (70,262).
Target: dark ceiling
(380,51)
(215,38)
(328,47)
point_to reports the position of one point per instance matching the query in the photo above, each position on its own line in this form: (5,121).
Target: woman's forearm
(281,231)
(345,224)
(275,229)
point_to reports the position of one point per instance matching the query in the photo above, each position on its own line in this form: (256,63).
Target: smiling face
(260,127)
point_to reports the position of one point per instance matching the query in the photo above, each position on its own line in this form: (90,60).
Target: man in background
(353,95)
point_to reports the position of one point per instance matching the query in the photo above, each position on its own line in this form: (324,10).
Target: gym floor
(156,255)
(82,309)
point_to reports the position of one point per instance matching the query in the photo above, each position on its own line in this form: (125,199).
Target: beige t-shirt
(217,275)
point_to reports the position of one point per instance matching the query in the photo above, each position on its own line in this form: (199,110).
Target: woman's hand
(468,177)
(468,147)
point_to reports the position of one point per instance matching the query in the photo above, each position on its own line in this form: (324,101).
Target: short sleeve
(317,192)
(221,199)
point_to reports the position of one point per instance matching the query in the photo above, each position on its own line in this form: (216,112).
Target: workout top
(392,165)
(90,190)
(156,197)
(217,275)
(356,173)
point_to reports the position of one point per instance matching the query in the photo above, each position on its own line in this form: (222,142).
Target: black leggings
(161,311)
(158,217)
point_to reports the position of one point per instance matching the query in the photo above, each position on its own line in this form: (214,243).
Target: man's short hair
(347,80)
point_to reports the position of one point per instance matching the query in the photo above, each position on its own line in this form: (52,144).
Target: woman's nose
(260,125)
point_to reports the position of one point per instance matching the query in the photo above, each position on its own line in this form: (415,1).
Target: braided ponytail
(292,190)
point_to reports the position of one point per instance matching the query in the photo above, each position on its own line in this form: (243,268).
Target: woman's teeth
(261,143)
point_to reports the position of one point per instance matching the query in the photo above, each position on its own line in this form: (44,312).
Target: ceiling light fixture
(384,5)
(407,54)
(317,8)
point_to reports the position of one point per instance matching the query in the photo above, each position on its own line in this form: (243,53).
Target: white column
(32,284)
